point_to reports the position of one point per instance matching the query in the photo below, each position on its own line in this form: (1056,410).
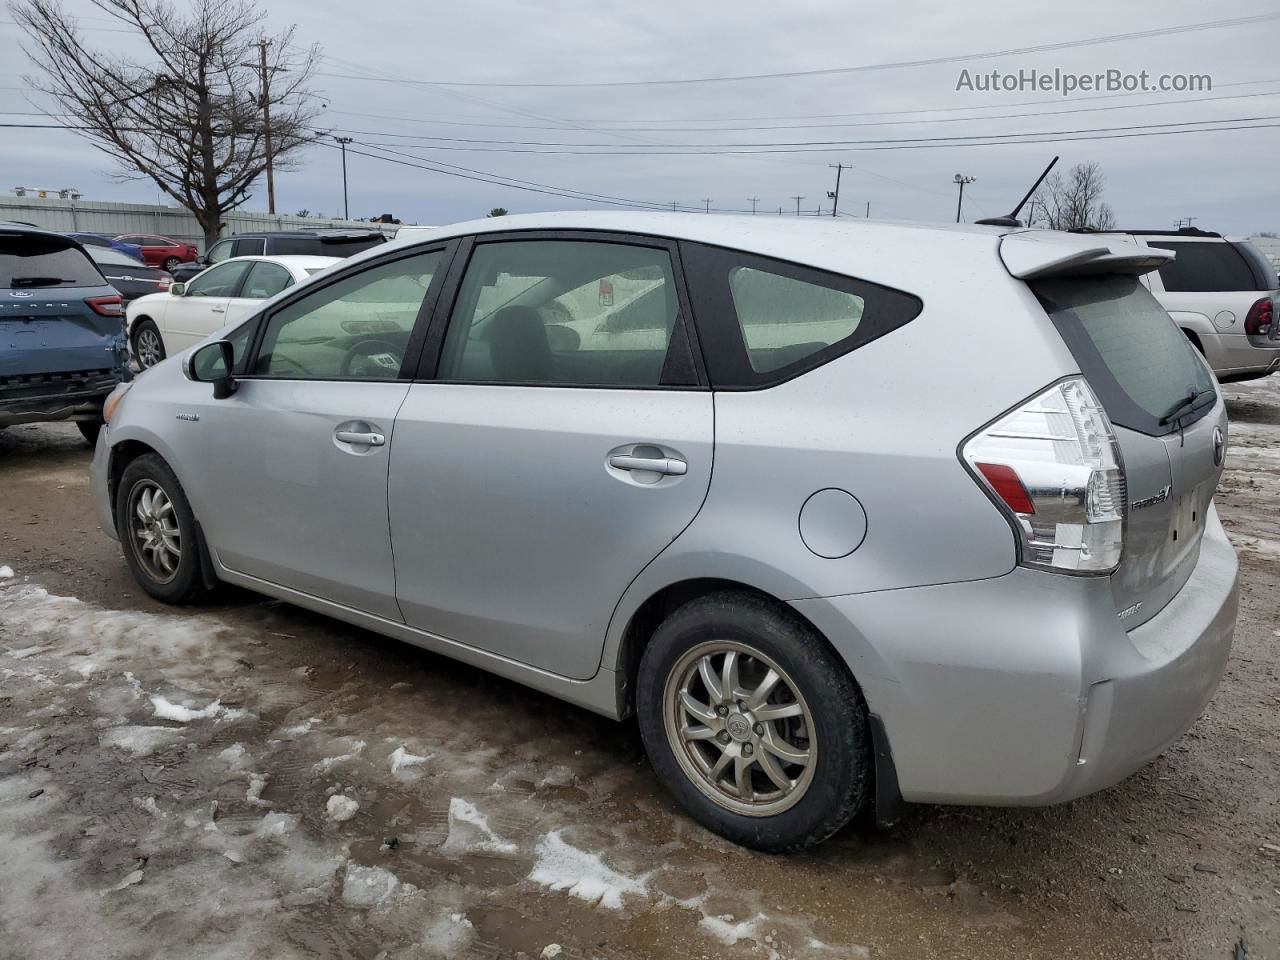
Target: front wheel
(158,531)
(753,722)
(148,345)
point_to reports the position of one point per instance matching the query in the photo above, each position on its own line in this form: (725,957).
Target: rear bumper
(1025,689)
(1233,356)
(67,396)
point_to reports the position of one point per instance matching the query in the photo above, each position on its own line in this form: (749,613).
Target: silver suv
(1222,294)
(845,513)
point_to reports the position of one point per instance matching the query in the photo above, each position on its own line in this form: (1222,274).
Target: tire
(180,580)
(89,429)
(170,263)
(147,343)
(830,727)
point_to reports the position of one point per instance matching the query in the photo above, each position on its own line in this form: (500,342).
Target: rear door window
(251,247)
(32,262)
(265,280)
(1206,267)
(762,321)
(1134,356)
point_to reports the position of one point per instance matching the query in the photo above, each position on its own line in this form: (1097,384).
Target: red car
(161,251)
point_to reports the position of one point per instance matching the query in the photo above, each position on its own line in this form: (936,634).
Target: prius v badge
(1152,500)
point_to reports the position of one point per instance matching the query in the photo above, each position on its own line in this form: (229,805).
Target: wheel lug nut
(722,711)
(723,736)
(746,749)
(759,729)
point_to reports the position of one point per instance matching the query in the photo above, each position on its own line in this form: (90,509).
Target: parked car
(131,278)
(102,240)
(62,345)
(938,561)
(1222,293)
(304,243)
(165,323)
(161,251)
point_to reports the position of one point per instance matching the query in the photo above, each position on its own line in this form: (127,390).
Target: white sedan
(161,324)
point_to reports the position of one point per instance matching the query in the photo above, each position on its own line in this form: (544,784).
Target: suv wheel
(753,722)
(148,345)
(158,531)
(170,263)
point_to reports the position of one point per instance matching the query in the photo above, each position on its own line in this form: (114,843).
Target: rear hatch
(56,314)
(1168,418)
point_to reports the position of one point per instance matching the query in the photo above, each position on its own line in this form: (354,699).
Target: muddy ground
(249,780)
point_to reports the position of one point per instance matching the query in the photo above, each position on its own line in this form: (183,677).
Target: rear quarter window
(1206,267)
(763,321)
(1138,362)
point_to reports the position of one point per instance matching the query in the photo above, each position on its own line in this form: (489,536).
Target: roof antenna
(1011,218)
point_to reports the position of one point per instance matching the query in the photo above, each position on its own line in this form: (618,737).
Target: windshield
(1134,356)
(28,261)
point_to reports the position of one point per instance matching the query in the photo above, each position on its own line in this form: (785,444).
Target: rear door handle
(352,436)
(665,465)
(217,309)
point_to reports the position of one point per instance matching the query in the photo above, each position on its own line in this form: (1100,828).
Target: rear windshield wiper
(37,281)
(1185,406)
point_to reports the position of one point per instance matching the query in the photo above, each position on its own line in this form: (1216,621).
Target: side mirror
(213,363)
(178,289)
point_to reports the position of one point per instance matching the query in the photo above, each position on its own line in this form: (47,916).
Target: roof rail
(1182,231)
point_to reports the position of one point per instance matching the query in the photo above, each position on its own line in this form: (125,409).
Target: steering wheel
(372,358)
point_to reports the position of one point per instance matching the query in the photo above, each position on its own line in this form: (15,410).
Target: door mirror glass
(178,289)
(213,364)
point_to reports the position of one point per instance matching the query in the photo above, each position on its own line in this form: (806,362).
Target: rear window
(1134,356)
(32,262)
(1207,267)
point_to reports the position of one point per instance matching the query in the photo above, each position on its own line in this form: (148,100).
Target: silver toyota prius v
(845,513)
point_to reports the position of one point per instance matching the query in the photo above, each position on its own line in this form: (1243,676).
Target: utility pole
(961,180)
(868,209)
(753,201)
(797,200)
(708,204)
(835,194)
(266,124)
(673,206)
(346,210)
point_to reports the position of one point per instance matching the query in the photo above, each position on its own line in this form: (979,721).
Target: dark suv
(62,343)
(307,243)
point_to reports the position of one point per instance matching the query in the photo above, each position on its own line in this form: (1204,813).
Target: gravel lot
(251,780)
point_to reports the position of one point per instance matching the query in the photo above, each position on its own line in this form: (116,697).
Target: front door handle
(352,436)
(217,309)
(669,466)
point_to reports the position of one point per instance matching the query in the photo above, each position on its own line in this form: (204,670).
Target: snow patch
(298,729)
(402,759)
(324,765)
(367,886)
(469,832)
(141,741)
(724,929)
(167,710)
(341,809)
(257,783)
(449,935)
(6,573)
(584,875)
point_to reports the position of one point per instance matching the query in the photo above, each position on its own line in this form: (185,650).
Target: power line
(862,68)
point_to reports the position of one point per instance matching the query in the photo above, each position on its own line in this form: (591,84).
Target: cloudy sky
(579,134)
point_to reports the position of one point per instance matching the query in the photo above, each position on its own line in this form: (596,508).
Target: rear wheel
(89,429)
(148,345)
(753,722)
(158,531)
(171,263)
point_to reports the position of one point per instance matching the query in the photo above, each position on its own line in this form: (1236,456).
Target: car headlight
(113,400)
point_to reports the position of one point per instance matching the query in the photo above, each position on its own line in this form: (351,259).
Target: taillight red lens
(1260,317)
(1004,481)
(106,306)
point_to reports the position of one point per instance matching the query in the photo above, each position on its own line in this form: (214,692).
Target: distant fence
(176,223)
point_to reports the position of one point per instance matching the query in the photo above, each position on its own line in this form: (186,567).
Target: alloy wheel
(149,348)
(739,728)
(153,525)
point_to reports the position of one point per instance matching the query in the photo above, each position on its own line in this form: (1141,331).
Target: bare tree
(1073,202)
(192,115)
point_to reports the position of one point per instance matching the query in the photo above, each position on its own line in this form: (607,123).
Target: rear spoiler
(1034,255)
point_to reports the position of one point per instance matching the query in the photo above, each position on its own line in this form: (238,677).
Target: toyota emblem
(1219,446)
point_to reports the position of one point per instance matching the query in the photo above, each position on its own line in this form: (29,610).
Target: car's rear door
(540,462)
(263,281)
(293,465)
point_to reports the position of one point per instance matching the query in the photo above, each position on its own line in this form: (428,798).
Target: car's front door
(202,308)
(546,458)
(294,462)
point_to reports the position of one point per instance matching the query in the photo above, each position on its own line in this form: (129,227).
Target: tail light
(106,306)
(1258,320)
(1053,465)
